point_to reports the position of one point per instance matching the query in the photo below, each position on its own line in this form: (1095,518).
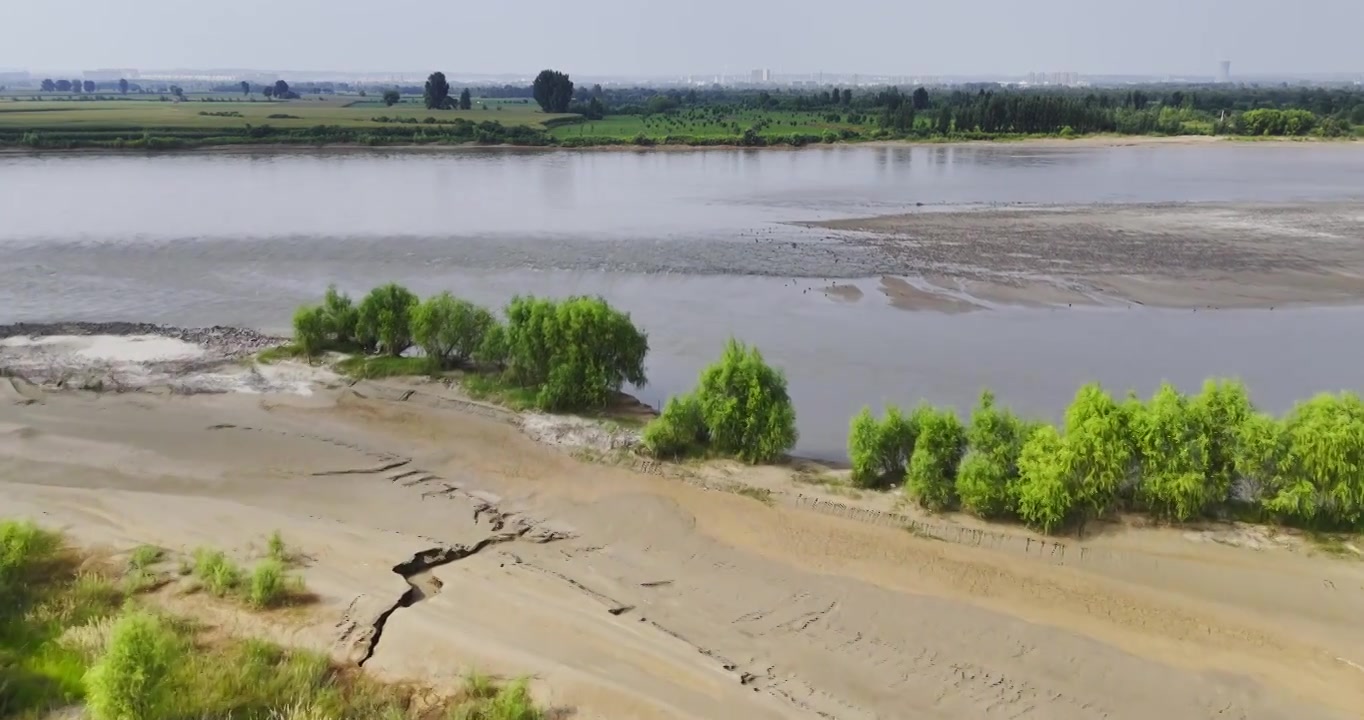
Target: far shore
(1087,141)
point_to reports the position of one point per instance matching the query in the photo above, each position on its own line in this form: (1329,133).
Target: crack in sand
(422,584)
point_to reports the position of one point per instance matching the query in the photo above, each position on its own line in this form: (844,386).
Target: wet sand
(624,593)
(1214,255)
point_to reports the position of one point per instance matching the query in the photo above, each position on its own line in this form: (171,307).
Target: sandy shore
(1208,255)
(624,592)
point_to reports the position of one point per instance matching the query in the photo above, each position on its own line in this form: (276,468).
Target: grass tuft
(219,575)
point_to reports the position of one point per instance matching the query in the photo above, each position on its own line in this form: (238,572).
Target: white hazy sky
(647,37)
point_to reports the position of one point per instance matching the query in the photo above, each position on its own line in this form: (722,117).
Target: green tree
(1045,497)
(123,86)
(385,319)
(745,406)
(938,449)
(246,87)
(281,89)
(89,86)
(987,481)
(268,91)
(310,330)
(48,86)
(466,101)
(391,98)
(920,99)
(595,109)
(880,451)
(577,352)
(437,93)
(553,90)
(1222,408)
(1261,457)
(847,96)
(1100,458)
(1324,484)
(63,86)
(341,317)
(134,679)
(1173,449)
(450,330)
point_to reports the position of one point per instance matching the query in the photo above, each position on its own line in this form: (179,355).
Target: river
(697,245)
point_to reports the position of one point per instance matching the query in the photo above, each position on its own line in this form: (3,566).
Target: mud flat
(439,537)
(1205,255)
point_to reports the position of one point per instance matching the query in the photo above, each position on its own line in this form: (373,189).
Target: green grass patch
(494,388)
(364,367)
(1347,546)
(287,351)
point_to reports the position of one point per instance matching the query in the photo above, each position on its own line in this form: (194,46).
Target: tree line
(1176,457)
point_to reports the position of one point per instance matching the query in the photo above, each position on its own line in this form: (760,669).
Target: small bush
(310,330)
(133,680)
(24,549)
(932,476)
(1173,451)
(385,319)
(510,702)
(276,548)
(1101,450)
(679,431)
(219,575)
(449,330)
(267,587)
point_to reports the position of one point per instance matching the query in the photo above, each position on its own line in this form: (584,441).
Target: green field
(138,115)
(709,124)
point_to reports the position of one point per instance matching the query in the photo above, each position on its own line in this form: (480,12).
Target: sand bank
(625,593)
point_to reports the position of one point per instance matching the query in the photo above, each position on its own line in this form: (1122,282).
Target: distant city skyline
(704,37)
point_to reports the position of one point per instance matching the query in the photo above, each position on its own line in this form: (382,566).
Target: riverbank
(1051,142)
(619,588)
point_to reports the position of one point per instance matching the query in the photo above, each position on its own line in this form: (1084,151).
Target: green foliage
(144,556)
(553,91)
(1046,498)
(745,407)
(342,317)
(437,92)
(1222,408)
(577,352)
(385,319)
(679,431)
(1260,456)
(267,587)
(511,702)
(218,574)
(1272,121)
(1324,482)
(1100,457)
(134,678)
(449,330)
(391,98)
(880,451)
(493,350)
(938,449)
(1172,442)
(987,480)
(275,547)
(310,330)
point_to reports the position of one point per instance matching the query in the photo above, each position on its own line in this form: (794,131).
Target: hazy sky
(645,37)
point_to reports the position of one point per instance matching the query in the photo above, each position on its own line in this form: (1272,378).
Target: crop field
(137,115)
(712,123)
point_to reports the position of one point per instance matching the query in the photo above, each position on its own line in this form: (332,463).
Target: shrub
(932,476)
(1045,498)
(880,451)
(24,548)
(144,556)
(1323,484)
(275,547)
(310,330)
(219,575)
(493,349)
(342,317)
(745,406)
(385,319)
(576,352)
(1260,457)
(133,680)
(1222,408)
(679,431)
(987,481)
(450,330)
(267,587)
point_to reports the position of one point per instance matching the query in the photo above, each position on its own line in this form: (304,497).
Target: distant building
(1224,71)
(107,74)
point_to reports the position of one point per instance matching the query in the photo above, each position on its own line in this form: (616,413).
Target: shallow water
(693,243)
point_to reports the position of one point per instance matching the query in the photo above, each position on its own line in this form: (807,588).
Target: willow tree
(1324,482)
(987,481)
(932,476)
(880,451)
(1046,497)
(1173,448)
(1100,453)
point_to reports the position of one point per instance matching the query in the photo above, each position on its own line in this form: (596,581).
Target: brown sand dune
(631,595)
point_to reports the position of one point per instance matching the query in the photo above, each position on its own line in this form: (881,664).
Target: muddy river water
(698,246)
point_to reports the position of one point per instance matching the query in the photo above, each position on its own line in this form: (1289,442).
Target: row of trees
(574,354)
(66,86)
(1176,457)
